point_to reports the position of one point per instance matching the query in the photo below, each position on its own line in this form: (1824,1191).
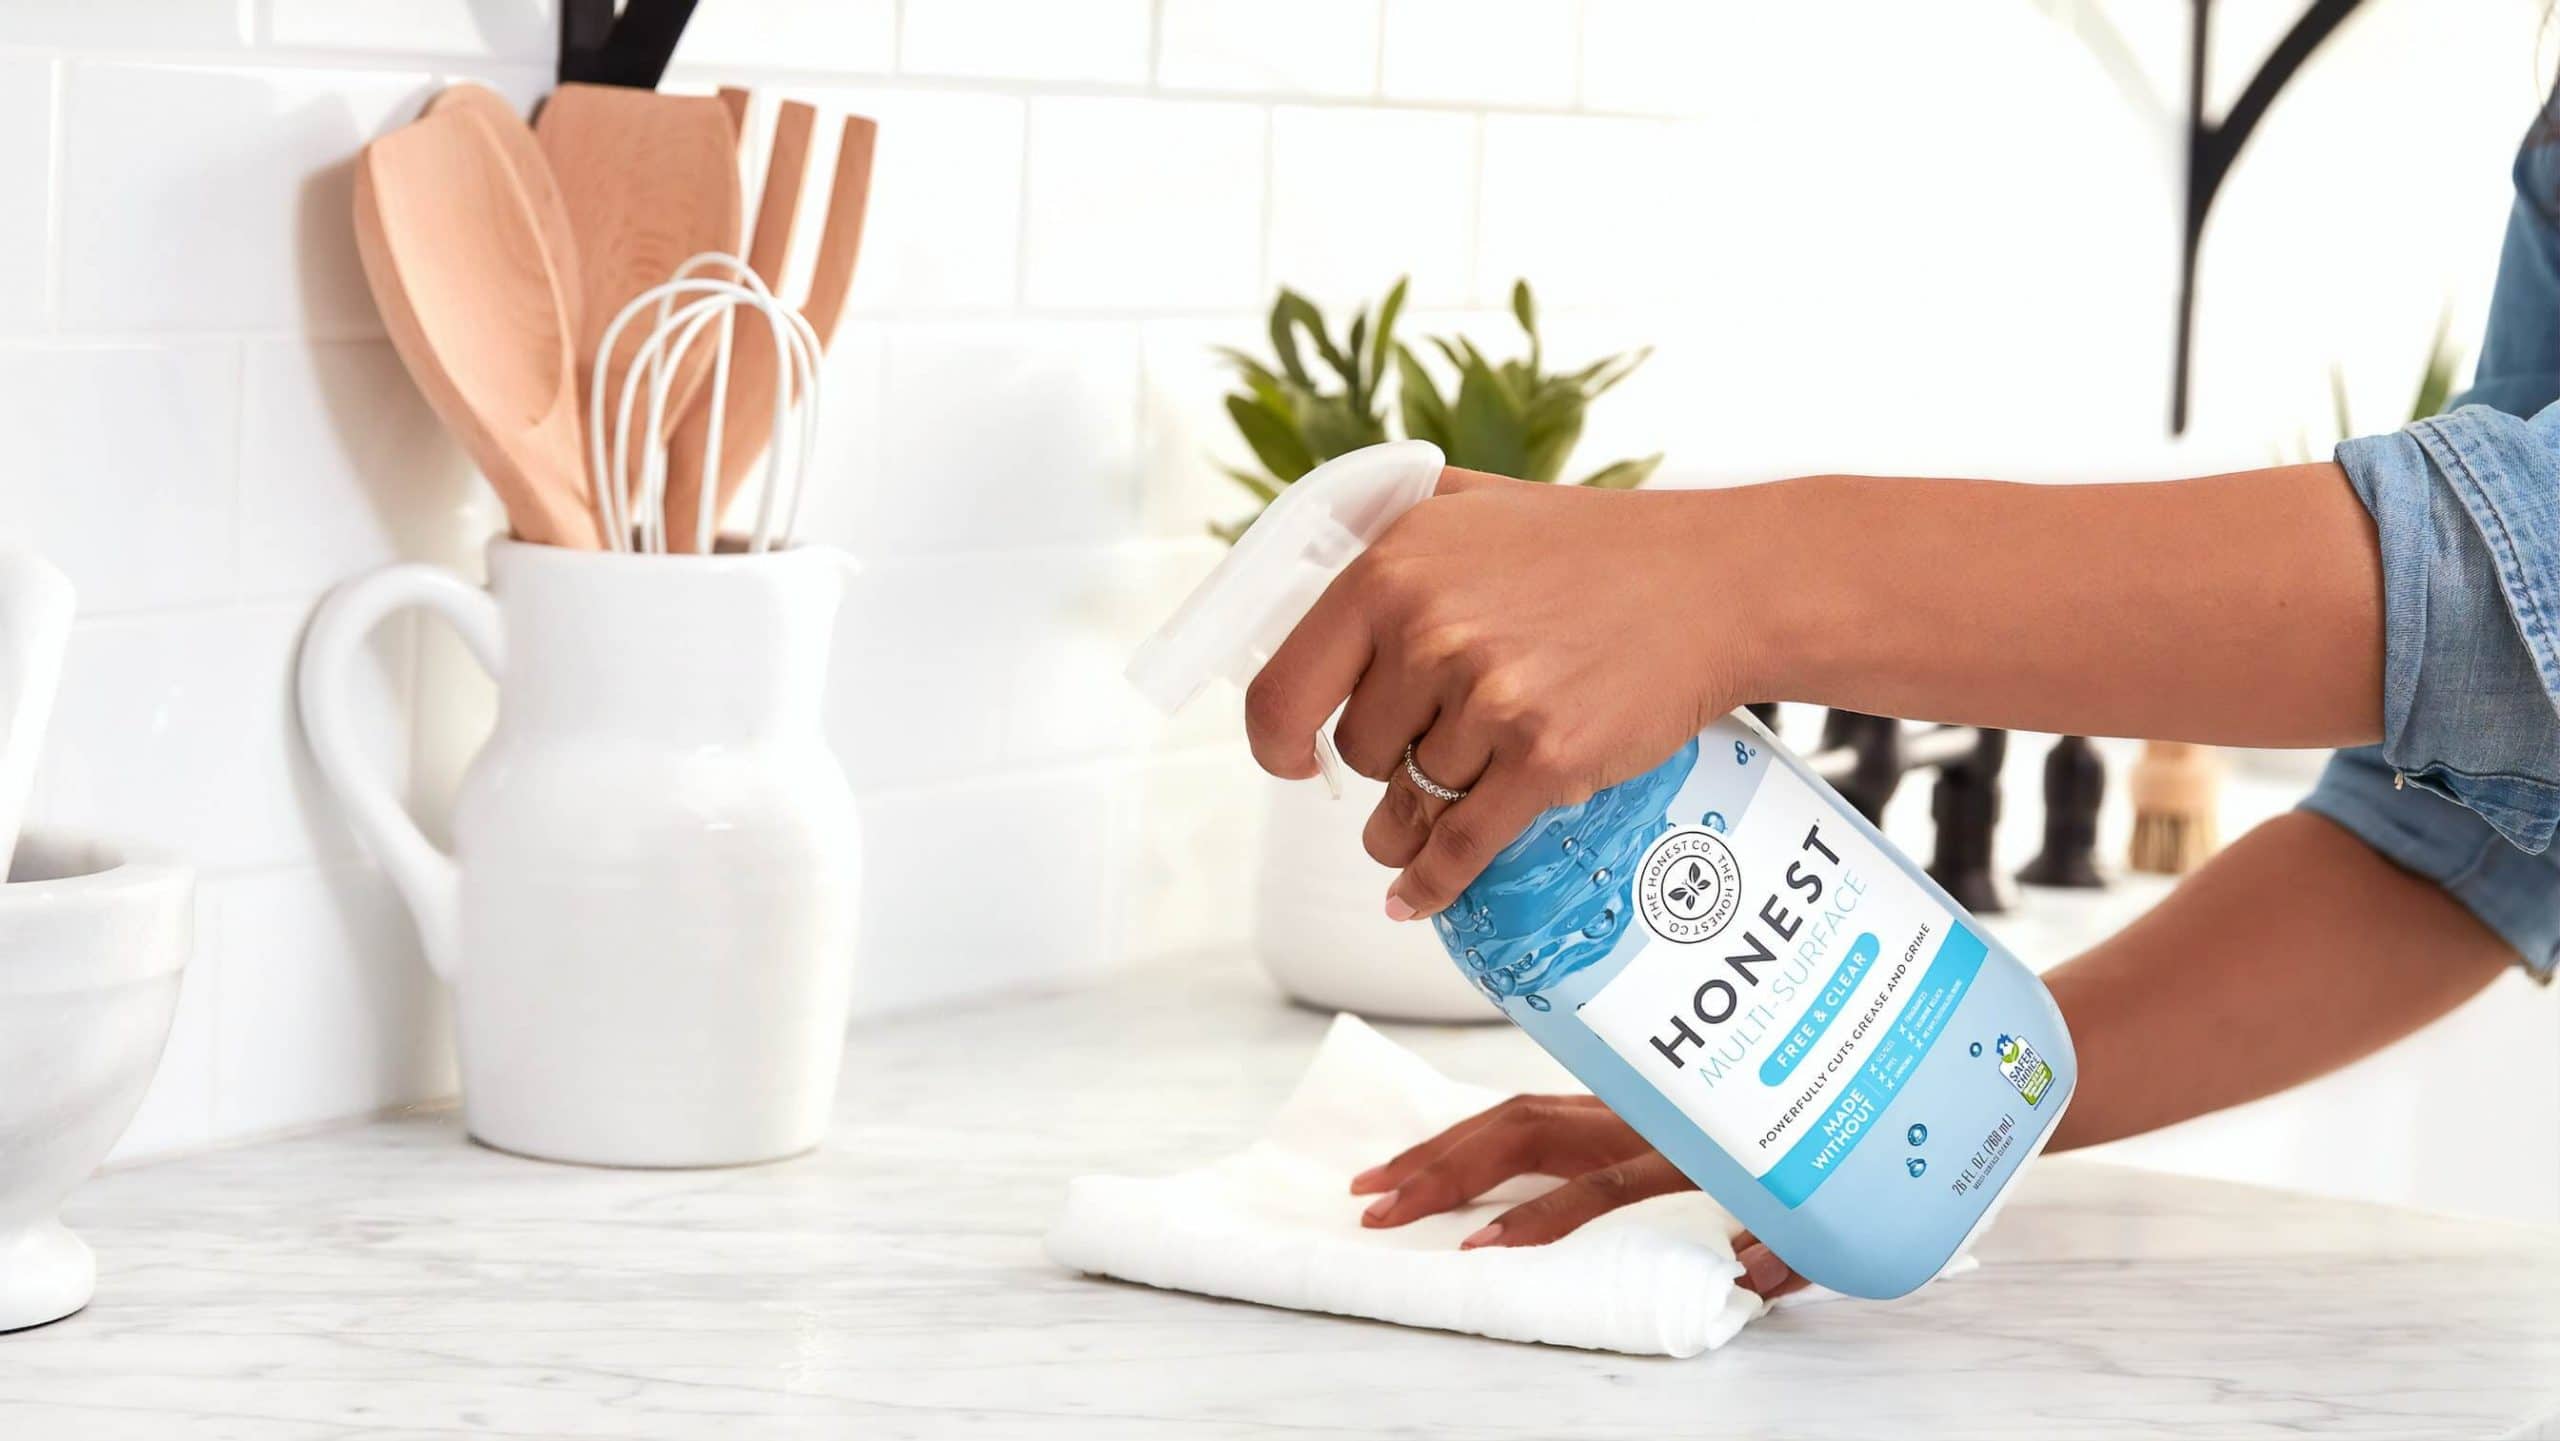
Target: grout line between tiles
(57,103)
(1581,22)
(1378,71)
(1022,215)
(430,65)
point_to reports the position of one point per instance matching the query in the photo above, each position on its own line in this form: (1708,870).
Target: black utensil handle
(597,49)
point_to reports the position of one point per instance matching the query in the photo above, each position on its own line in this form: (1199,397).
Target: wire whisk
(699,305)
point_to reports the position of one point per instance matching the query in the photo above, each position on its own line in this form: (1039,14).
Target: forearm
(2240,609)
(2294,952)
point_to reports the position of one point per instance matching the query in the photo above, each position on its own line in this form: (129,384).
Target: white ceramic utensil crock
(1318,921)
(92,939)
(647,916)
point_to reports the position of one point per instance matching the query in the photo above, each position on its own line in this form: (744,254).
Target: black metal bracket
(2075,786)
(599,48)
(2211,148)
(1865,758)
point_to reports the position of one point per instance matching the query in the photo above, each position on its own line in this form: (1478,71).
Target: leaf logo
(1687,885)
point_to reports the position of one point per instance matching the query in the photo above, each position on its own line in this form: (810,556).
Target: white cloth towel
(1276,1223)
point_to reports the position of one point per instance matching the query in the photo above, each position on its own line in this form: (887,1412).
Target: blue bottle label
(1790,979)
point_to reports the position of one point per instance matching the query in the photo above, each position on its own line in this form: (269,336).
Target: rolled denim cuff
(2467,510)
(2514,893)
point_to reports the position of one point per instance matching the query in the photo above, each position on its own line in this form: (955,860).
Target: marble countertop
(393,1279)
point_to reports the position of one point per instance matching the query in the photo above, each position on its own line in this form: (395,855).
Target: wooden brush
(2175,793)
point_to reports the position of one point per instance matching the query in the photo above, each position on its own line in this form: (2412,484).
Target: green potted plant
(1510,417)
(1319,928)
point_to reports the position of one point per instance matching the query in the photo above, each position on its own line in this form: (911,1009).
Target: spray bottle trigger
(1329,763)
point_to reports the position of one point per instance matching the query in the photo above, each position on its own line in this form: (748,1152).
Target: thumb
(1763,1274)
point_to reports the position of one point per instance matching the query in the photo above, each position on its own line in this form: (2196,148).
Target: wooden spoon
(754,372)
(847,207)
(533,172)
(650,181)
(456,262)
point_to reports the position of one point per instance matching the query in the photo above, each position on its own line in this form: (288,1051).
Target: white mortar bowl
(93,935)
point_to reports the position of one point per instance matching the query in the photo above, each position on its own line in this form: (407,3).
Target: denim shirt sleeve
(2467,509)
(2515,893)
(2465,787)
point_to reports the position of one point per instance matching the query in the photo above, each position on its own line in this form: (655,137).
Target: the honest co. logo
(1688,886)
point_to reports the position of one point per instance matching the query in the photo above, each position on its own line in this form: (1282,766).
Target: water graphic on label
(1554,901)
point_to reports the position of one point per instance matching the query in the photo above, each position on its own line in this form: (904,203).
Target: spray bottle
(1730,956)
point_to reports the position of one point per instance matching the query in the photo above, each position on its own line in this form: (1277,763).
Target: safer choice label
(1790,980)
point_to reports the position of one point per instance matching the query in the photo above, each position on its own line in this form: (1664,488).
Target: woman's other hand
(1604,1162)
(1532,643)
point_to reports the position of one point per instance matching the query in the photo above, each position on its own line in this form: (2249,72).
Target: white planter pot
(1320,924)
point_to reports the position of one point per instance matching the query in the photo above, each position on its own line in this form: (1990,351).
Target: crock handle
(425,875)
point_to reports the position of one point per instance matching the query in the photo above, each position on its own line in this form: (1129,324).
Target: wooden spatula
(650,181)
(457,266)
(753,371)
(533,172)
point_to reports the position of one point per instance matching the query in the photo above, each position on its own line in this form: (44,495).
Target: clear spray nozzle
(1232,622)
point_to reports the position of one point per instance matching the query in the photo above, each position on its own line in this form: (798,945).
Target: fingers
(1387,710)
(1305,679)
(1504,1146)
(1413,1158)
(1465,837)
(1586,1197)
(1455,753)
(1763,1274)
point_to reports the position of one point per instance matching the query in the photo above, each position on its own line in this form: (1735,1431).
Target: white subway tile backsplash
(1186,437)
(1646,55)
(198,199)
(1359,197)
(929,932)
(180,730)
(122,467)
(946,198)
(342,465)
(929,659)
(1306,47)
(1491,52)
(1006,662)
(852,36)
(848,468)
(1097,40)
(1139,203)
(1590,210)
(518,30)
(127,24)
(325,1006)
(26,174)
(996,436)
(1183,832)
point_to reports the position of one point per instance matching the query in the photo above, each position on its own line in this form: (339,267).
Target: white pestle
(35,625)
